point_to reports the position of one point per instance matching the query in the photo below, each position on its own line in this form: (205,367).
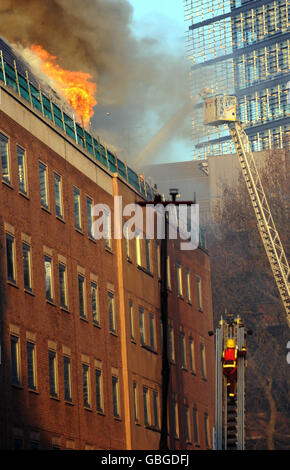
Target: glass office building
(241,47)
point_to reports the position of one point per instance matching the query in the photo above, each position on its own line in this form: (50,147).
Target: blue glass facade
(241,47)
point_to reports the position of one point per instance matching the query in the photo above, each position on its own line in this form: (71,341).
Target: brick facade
(32,417)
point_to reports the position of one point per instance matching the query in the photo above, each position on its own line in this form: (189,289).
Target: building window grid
(31,365)
(82,296)
(131,319)
(183,351)
(146,406)
(188,285)
(67,379)
(111,309)
(11,258)
(195,426)
(107,230)
(95,303)
(15,359)
(99,390)
(90,204)
(116,397)
(175,418)
(53,382)
(203,360)
(142,326)
(152,330)
(5,158)
(86,385)
(192,355)
(63,285)
(58,195)
(22,175)
(135,399)
(187,423)
(27,268)
(171,345)
(250,24)
(48,269)
(155,409)
(77,208)
(43,180)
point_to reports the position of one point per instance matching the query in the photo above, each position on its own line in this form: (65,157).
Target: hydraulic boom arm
(222,110)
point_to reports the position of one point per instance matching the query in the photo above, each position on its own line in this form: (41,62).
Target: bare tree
(243,283)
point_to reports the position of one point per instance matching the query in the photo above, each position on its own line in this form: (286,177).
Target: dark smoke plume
(136,79)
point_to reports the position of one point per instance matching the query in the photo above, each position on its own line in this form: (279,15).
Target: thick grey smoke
(137,81)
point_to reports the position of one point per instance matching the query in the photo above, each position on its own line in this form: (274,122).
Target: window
(99,390)
(135,397)
(202,358)
(81,289)
(48,278)
(138,250)
(158,260)
(183,350)
(89,216)
(5,160)
(127,241)
(58,195)
(26,258)
(18,443)
(179,280)
(43,185)
(156,409)
(171,343)
(77,208)
(148,254)
(191,355)
(195,426)
(31,370)
(146,406)
(187,423)
(131,316)
(188,291)
(115,389)
(95,303)
(152,330)
(53,385)
(86,385)
(206,430)
(142,326)
(107,230)
(175,420)
(168,273)
(21,170)
(111,308)
(199,293)
(67,378)
(10,258)
(15,359)
(62,285)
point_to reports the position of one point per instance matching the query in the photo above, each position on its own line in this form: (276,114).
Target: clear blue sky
(164,20)
(162,17)
(171,9)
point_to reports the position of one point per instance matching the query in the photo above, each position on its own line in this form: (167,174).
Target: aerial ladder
(221,109)
(230,411)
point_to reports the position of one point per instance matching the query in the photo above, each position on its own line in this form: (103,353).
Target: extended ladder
(266,225)
(230,413)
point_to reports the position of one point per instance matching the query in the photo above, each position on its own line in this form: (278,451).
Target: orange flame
(76,87)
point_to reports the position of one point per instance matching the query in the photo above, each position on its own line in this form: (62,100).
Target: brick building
(80,318)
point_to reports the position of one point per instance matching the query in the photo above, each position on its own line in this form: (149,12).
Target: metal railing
(43,104)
